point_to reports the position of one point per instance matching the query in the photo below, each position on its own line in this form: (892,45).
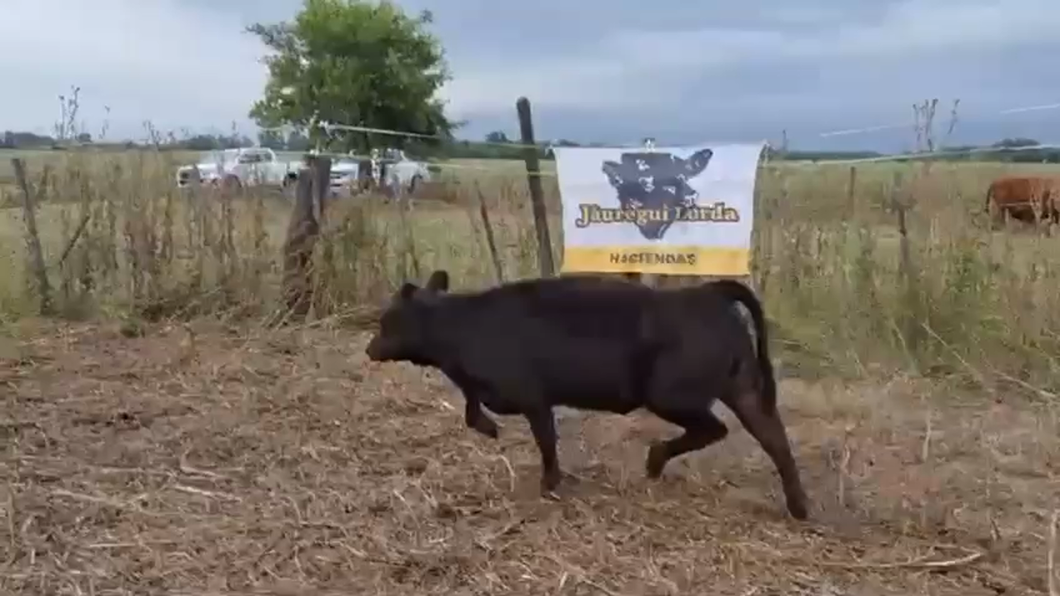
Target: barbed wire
(826,134)
(833,133)
(419,135)
(516,169)
(867,129)
(925,155)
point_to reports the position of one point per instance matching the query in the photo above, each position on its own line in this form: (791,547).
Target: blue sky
(608,70)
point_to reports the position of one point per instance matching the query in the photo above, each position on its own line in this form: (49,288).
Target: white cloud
(625,69)
(631,67)
(916,26)
(152,60)
(180,63)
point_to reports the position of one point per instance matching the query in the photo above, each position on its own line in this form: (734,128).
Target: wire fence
(900,157)
(547,145)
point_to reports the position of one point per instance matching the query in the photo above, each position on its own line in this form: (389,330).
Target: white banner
(667,210)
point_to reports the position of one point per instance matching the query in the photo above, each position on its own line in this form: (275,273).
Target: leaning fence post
(537,196)
(321,190)
(36,253)
(491,240)
(302,233)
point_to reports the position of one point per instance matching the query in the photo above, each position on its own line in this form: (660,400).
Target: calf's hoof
(550,482)
(798,507)
(656,461)
(487,427)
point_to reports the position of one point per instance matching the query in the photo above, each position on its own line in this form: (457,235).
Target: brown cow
(1028,198)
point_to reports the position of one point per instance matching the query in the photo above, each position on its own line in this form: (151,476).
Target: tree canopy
(354,62)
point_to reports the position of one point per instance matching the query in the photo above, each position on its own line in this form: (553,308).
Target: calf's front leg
(543,427)
(474,417)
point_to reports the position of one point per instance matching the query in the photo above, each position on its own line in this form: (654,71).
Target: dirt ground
(213,462)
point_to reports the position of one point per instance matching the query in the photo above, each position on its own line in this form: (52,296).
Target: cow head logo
(655,180)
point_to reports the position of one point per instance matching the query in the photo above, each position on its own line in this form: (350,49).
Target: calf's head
(653,180)
(404,332)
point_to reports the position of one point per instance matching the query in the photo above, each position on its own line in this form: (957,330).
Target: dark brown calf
(601,344)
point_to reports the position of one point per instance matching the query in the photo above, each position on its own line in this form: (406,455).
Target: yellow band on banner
(662,260)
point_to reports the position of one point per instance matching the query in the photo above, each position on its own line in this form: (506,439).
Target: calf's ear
(439,281)
(407,290)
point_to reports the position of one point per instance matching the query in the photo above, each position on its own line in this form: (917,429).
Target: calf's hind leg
(702,428)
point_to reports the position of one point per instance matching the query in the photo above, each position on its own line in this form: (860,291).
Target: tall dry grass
(972,307)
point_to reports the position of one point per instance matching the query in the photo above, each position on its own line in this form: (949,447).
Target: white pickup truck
(396,170)
(245,166)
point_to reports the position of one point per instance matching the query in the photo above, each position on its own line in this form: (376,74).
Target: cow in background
(1028,198)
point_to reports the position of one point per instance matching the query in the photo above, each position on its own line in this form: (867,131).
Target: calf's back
(588,343)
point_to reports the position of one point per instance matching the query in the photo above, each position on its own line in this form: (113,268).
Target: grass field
(158,437)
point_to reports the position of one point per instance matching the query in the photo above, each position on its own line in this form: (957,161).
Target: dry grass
(196,460)
(174,445)
(148,242)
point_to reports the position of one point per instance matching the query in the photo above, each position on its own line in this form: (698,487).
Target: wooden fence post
(491,240)
(395,189)
(546,263)
(913,314)
(303,231)
(29,213)
(321,168)
(321,191)
(851,186)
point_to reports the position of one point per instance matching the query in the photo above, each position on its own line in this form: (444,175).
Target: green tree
(497,136)
(354,62)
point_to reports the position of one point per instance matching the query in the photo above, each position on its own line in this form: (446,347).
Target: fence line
(898,157)
(840,132)
(420,135)
(926,155)
(823,162)
(517,170)
(624,145)
(832,133)
(1005,112)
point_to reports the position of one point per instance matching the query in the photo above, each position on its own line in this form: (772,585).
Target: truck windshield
(254,157)
(217,157)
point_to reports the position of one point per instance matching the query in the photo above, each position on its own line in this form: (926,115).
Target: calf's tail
(738,292)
